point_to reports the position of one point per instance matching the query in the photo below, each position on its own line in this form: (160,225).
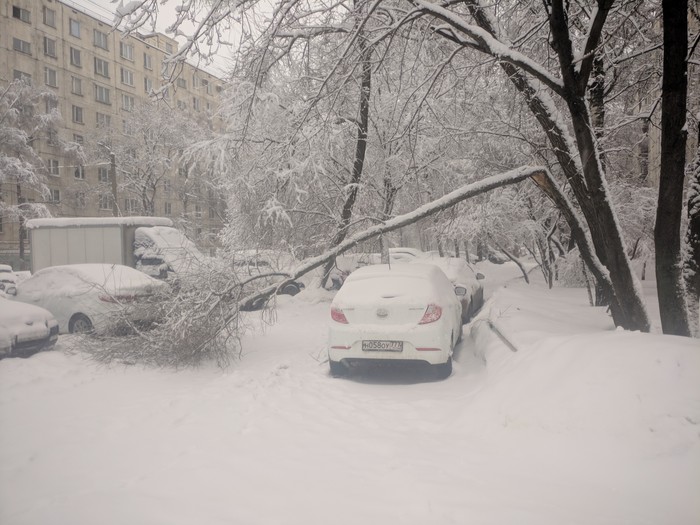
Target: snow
(98,221)
(583,424)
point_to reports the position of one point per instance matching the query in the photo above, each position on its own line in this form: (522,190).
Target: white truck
(149,244)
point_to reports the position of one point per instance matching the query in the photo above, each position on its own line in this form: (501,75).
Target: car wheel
(290,289)
(338,369)
(80,324)
(444,370)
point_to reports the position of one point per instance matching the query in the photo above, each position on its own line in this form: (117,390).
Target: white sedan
(103,298)
(25,329)
(463,278)
(397,312)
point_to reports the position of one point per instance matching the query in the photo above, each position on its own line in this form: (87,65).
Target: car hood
(18,318)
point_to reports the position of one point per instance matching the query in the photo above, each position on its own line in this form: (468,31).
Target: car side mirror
(460,291)
(480,276)
(11,290)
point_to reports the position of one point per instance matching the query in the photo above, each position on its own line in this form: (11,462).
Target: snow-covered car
(104,298)
(466,282)
(25,329)
(165,253)
(7,276)
(395,312)
(404,254)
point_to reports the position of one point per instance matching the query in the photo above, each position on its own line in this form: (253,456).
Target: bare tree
(667,235)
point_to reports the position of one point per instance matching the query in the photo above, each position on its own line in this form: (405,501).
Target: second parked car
(101,298)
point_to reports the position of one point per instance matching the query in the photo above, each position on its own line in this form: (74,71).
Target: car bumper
(429,343)
(25,346)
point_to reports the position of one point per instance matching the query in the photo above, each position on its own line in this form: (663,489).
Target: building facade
(101,77)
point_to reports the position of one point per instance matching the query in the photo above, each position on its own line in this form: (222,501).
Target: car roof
(395,269)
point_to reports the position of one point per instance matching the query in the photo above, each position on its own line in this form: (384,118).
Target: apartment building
(100,76)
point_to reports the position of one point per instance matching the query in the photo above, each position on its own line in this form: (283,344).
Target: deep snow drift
(583,424)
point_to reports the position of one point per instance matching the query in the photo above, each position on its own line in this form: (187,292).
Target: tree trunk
(628,309)
(667,238)
(360,151)
(515,260)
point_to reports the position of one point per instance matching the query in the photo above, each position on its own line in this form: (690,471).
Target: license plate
(382,346)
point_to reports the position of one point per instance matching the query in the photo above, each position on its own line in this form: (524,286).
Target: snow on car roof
(408,281)
(111,277)
(457,270)
(98,221)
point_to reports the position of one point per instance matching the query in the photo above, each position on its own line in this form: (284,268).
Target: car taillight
(338,316)
(117,298)
(432,314)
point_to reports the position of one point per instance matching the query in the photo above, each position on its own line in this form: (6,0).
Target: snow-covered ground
(583,424)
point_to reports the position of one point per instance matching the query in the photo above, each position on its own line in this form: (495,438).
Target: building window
(147,62)
(195,80)
(195,103)
(54,195)
(77,114)
(21,75)
(126,50)
(50,77)
(79,172)
(101,67)
(167,187)
(52,137)
(52,167)
(76,86)
(49,17)
(103,174)
(127,102)
(78,138)
(147,85)
(102,94)
(74,28)
(127,76)
(212,213)
(80,200)
(49,47)
(105,201)
(168,209)
(21,46)
(102,120)
(206,86)
(181,104)
(101,40)
(75,57)
(21,14)
(181,82)
(168,47)
(130,205)
(198,211)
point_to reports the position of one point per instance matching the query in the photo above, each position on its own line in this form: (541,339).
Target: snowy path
(547,435)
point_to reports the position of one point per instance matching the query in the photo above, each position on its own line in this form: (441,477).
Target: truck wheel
(80,324)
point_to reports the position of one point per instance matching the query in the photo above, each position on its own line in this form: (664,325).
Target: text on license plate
(382,346)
